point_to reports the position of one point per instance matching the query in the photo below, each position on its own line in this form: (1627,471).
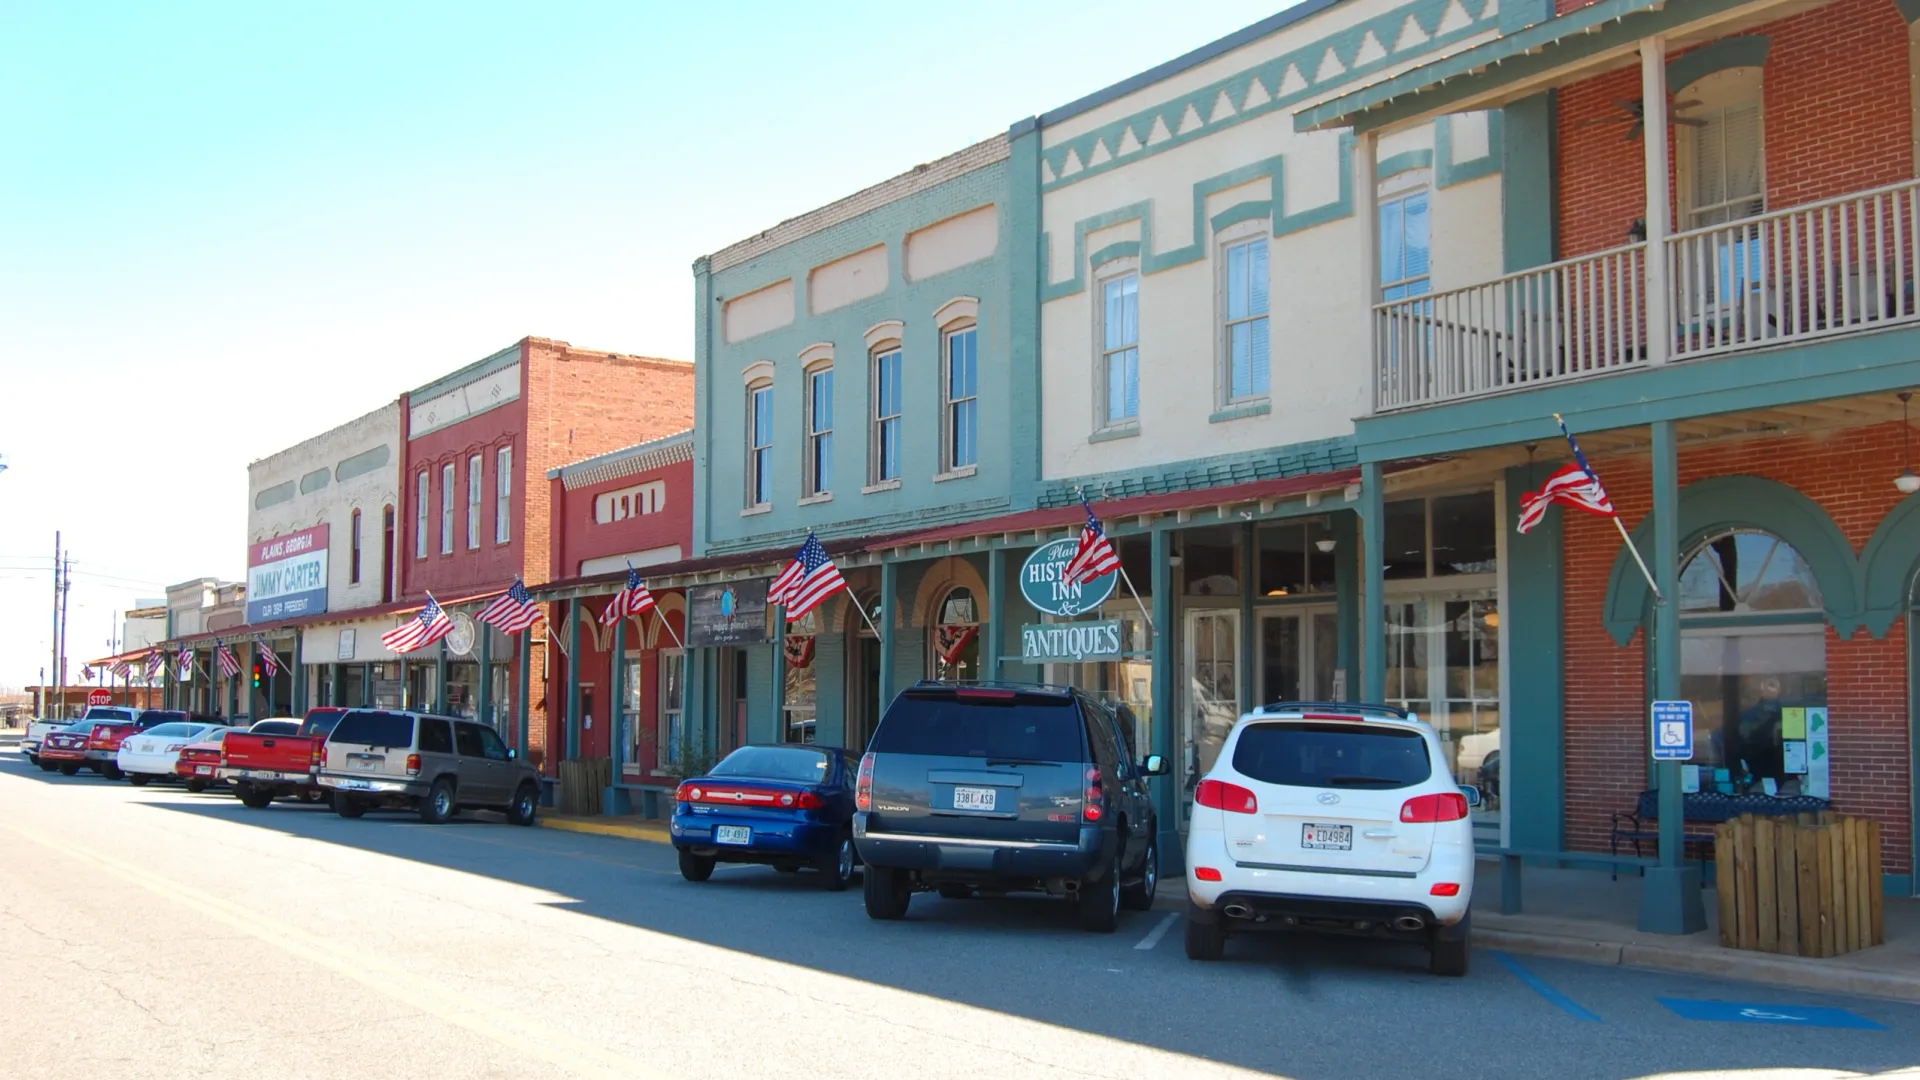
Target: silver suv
(436,765)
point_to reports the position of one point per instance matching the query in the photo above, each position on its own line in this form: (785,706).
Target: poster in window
(1818,784)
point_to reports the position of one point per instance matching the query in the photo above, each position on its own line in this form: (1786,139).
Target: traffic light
(256,675)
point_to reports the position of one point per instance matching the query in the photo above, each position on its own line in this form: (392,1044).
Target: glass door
(1211,702)
(1299,655)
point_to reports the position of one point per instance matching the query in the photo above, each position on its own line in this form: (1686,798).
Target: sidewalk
(630,827)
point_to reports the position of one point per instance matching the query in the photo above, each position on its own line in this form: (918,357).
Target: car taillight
(413,764)
(1095,806)
(1445,806)
(1232,798)
(1206,873)
(171,747)
(805,800)
(319,754)
(1445,888)
(683,793)
(223,756)
(863,787)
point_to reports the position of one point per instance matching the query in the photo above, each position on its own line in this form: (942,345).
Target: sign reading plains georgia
(287,576)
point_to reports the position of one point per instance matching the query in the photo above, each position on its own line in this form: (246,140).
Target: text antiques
(1074,642)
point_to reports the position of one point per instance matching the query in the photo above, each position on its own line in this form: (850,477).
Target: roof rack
(995,684)
(1331,706)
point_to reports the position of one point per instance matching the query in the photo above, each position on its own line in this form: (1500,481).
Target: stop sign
(99,696)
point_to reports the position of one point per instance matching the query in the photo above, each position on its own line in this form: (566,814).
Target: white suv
(1334,818)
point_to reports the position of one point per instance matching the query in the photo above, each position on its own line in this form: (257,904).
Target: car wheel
(952,891)
(837,872)
(887,893)
(45,766)
(254,798)
(1100,901)
(347,806)
(196,786)
(35,759)
(526,804)
(1205,940)
(111,772)
(69,769)
(437,807)
(1451,956)
(139,779)
(695,867)
(1139,895)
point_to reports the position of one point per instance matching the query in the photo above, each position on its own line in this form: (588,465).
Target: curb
(1791,972)
(651,835)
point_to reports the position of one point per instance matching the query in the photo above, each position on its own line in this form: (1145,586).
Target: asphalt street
(148,932)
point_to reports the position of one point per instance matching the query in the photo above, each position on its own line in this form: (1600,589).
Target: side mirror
(1155,765)
(1472,794)
(513,755)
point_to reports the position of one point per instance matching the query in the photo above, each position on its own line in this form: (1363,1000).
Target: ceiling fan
(1633,113)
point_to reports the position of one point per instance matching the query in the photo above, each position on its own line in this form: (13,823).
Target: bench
(1511,860)
(1709,808)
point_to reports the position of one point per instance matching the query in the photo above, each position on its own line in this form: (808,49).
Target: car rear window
(1017,728)
(374,729)
(322,722)
(275,727)
(797,764)
(163,731)
(110,716)
(1333,755)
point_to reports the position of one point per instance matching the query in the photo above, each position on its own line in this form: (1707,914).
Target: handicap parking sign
(1672,731)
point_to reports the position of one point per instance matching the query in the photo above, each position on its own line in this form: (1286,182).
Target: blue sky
(225,227)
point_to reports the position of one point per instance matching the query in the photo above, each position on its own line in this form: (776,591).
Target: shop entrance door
(1299,655)
(1210,693)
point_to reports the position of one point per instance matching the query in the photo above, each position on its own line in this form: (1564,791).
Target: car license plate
(974,798)
(732,834)
(355,785)
(203,770)
(1326,837)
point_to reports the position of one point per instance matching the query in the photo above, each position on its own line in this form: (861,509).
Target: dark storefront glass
(1212,562)
(1405,553)
(1463,534)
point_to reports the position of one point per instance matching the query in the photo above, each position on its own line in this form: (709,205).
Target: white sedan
(150,754)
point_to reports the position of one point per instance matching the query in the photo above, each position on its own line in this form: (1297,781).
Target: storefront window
(802,697)
(672,707)
(353,686)
(1211,563)
(463,690)
(1405,551)
(1745,573)
(386,685)
(1463,534)
(954,644)
(632,676)
(1468,717)
(503,711)
(1407,655)
(1291,562)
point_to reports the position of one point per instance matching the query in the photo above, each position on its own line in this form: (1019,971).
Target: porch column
(366,686)
(1168,790)
(299,680)
(889,601)
(440,703)
(1373,597)
(779,679)
(573,679)
(1249,565)
(1366,211)
(522,708)
(616,803)
(1659,213)
(993,633)
(1346,588)
(1670,898)
(484,707)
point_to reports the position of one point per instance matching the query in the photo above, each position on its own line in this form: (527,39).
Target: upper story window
(446,509)
(885,440)
(960,416)
(353,549)
(476,473)
(1244,335)
(389,555)
(1119,335)
(422,495)
(503,496)
(1722,174)
(759,444)
(818,468)
(1405,246)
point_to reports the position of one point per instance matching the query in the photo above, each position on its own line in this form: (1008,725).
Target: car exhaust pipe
(1237,911)
(1409,923)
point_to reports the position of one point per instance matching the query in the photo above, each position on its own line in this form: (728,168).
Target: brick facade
(1835,111)
(1867,691)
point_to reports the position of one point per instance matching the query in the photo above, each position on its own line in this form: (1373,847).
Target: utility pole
(66,589)
(46,708)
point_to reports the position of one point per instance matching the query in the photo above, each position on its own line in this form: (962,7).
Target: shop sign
(287,576)
(1072,643)
(731,614)
(1042,581)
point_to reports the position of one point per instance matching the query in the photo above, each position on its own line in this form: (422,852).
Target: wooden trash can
(1803,886)
(582,785)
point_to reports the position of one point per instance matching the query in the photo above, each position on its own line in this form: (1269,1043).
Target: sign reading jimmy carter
(1042,583)
(1070,642)
(287,576)
(734,614)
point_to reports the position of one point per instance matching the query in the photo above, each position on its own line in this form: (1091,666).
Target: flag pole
(1658,596)
(1152,629)
(862,609)
(668,623)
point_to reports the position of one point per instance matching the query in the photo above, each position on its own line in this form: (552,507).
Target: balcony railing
(1841,266)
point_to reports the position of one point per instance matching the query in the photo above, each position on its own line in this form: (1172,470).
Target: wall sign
(344,650)
(287,576)
(731,614)
(1070,642)
(1041,584)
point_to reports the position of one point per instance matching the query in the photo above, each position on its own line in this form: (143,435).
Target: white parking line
(1153,936)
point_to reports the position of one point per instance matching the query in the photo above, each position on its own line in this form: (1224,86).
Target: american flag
(1095,558)
(269,661)
(512,611)
(429,626)
(122,669)
(808,582)
(87,673)
(1573,486)
(185,660)
(630,600)
(156,661)
(229,663)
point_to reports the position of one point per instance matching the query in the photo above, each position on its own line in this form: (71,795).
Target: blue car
(785,806)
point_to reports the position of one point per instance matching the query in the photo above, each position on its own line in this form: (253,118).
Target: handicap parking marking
(1154,935)
(1566,1004)
(1738,1012)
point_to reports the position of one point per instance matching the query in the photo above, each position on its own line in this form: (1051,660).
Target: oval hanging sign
(1042,584)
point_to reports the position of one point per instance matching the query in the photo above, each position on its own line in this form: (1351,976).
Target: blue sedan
(784,806)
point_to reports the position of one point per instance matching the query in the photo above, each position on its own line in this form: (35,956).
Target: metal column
(573,680)
(1373,593)
(993,627)
(889,601)
(779,678)
(1168,788)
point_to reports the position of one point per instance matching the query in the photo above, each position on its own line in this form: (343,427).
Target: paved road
(147,932)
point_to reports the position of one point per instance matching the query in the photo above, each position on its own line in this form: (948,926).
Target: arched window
(953,643)
(1753,660)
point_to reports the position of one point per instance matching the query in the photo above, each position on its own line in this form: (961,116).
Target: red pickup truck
(264,764)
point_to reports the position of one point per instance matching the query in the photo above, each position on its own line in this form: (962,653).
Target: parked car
(65,748)
(1332,818)
(198,765)
(151,754)
(103,747)
(268,762)
(37,732)
(1006,788)
(781,806)
(434,765)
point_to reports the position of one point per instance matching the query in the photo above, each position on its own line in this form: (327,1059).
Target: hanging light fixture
(1907,482)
